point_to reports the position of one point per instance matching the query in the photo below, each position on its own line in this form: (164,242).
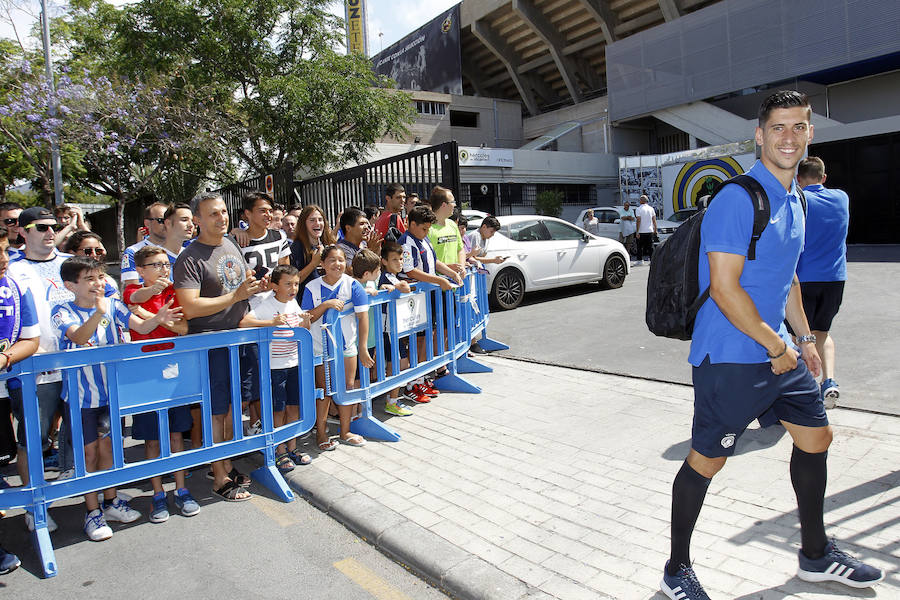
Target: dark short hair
(283,271)
(174,207)
(491,222)
(350,217)
(461,220)
(370,211)
(438,196)
(329,250)
(4,232)
(782,99)
(365,260)
(811,167)
(72,268)
(201,198)
(388,247)
(147,209)
(421,214)
(76,238)
(10,206)
(62,208)
(249,200)
(141,256)
(393,189)
(278,207)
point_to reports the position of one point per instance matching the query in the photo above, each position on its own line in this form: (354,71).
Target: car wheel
(508,289)
(614,272)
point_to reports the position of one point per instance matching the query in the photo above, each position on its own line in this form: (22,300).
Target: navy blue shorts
(285,388)
(249,360)
(404,347)
(94,423)
(729,396)
(219,381)
(145,426)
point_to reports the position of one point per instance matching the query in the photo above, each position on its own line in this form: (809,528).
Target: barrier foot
(44,548)
(455,383)
(464,364)
(270,477)
(371,428)
(491,345)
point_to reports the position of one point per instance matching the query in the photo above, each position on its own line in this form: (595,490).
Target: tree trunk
(120,226)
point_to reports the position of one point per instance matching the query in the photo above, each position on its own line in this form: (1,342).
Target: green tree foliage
(281,87)
(549,203)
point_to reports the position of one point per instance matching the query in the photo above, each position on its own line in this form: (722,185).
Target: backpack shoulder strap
(761,209)
(802,200)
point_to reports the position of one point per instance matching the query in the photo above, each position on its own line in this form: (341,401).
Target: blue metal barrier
(158,375)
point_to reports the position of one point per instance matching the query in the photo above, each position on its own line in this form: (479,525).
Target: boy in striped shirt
(91,319)
(278,308)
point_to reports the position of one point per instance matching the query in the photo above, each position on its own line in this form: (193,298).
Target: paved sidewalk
(555,483)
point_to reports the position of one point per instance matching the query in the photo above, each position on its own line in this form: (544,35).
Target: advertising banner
(428,59)
(411,313)
(486,157)
(355,15)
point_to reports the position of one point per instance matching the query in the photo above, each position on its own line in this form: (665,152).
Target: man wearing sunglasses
(9,216)
(155,224)
(37,269)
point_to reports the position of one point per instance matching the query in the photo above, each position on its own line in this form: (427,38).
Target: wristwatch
(806,338)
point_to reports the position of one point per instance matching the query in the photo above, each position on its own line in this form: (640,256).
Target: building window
(463,118)
(425,107)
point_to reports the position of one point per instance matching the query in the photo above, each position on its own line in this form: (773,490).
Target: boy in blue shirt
(94,320)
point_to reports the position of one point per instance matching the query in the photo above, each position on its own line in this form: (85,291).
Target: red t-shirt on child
(152,305)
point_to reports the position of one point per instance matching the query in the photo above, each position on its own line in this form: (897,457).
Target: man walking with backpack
(744,363)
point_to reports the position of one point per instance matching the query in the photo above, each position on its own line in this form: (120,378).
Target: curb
(444,565)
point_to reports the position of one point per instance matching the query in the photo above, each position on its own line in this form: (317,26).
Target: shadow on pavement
(794,586)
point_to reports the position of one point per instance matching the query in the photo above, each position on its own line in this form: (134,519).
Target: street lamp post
(55,162)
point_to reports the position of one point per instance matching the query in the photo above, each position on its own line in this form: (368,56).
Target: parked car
(608,222)
(545,252)
(683,215)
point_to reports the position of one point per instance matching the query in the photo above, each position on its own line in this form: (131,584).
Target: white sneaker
(95,526)
(120,511)
(67,474)
(254,429)
(29,522)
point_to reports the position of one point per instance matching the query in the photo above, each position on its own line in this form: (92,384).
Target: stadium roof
(551,53)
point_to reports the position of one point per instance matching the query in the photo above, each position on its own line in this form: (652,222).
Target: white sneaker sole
(668,591)
(99,538)
(817,577)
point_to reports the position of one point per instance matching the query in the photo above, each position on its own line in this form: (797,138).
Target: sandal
(328,445)
(235,475)
(299,458)
(354,440)
(285,464)
(232,492)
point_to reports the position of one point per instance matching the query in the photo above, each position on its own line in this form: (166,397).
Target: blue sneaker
(186,503)
(51,462)
(683,585)
(830,393)
(160,512)
(837,565)
(9,562)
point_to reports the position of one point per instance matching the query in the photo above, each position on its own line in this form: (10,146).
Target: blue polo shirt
(824,256)
(727,227)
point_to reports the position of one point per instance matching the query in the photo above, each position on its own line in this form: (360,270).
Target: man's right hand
(248,287)
(445,284)
(241,237)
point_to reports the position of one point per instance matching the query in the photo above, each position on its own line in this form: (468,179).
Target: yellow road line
(277,511)
(369,580)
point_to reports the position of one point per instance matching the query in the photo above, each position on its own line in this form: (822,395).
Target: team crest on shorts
(728,440)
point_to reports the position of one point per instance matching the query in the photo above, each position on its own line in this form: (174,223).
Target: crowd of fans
(193,271)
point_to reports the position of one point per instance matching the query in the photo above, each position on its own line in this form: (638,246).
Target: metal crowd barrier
(157,375)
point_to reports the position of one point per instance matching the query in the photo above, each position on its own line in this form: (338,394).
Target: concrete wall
(593,135)
(499,122)
(867,98)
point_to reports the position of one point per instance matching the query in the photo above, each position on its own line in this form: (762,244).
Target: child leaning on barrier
(94,320)
(153,265)
(333,290)
(391,267)
(278,308)
(366,271)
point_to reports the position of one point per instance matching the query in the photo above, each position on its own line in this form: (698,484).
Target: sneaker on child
(29,522)
(160,512)
(95,526)
(9,562)
(119,510)
(186,503)
(396,409)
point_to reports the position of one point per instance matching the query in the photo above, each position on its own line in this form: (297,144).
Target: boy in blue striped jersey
(91,319)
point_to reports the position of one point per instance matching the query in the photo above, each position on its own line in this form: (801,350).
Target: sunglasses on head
(93,251)
(41,227)
(11,221)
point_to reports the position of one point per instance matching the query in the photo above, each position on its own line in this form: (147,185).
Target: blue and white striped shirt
(91,380)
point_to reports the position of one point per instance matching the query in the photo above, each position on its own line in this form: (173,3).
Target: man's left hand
(810,356)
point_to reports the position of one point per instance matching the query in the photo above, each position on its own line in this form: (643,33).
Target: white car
(608,222)
(545,252)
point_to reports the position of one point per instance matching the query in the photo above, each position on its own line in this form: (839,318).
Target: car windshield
(682,215)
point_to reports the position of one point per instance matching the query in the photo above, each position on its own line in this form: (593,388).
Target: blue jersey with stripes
(92,391)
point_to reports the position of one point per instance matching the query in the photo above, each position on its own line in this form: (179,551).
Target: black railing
(416,171)
(281,188)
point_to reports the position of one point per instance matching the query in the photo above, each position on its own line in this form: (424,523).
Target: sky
(392,18)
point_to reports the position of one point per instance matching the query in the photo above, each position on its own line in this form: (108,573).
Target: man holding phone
(479,237)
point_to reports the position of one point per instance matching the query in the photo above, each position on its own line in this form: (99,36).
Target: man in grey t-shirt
(213,285)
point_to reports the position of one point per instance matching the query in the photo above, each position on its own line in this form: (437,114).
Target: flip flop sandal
(328,446)
(299,458)
(356,441)
(229,492)
(285,464)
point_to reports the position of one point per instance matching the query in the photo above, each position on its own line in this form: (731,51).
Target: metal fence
(416,171)
(279,184)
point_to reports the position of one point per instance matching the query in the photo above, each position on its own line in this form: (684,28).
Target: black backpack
(673,286)
(393,232)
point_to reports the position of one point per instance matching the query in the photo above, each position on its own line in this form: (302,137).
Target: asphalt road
(262,549)
(604,330)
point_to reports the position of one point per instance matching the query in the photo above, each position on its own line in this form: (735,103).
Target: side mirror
(586,237)
(617,221)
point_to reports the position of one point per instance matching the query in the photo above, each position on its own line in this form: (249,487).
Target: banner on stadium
(355,15)
(428,59)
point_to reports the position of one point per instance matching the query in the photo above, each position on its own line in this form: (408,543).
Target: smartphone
(260,271)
